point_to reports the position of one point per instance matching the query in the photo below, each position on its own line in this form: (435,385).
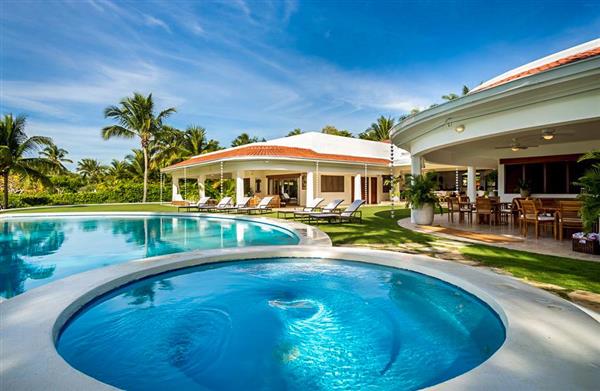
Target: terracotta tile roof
(276,151)
(545,67)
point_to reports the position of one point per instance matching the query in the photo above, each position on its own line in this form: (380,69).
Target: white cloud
(153,21)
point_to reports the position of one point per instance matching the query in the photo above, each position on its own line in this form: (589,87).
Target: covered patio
(527,129)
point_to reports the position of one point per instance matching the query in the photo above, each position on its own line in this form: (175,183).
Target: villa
(303,166)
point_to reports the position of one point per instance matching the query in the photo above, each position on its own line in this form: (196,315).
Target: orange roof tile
(545,67)
(277,151)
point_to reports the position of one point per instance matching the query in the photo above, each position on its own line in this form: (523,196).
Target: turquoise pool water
(283,324)
(35,251)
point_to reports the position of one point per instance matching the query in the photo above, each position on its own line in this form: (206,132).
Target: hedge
(119,192)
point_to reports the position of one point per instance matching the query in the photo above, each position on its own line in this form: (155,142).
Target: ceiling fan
(515,146)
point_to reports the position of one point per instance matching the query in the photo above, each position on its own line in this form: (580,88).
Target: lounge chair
(239,205)
(262,207)
(221,206)
(310,207)
(349,214)
(329,208)
(201,204)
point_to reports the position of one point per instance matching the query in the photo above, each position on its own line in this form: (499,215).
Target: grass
(570,274)
(379,228)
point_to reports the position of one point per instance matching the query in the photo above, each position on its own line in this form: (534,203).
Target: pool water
(36,251)
(282,324)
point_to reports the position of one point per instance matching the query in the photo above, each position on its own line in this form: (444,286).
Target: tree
(15,150)
(58,156)
(330,129)
(450,97)
(91,170)
(295,132)
(182,145)
(590,186)
(244,139)
(135,163)
(465,90)
(118,169)
(136,118)
(380,130)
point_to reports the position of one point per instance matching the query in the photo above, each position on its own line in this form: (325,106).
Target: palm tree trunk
(5,204)
(145,173)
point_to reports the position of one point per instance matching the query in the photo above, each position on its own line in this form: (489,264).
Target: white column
(357,187)
(310,187)
(175,188)
(471,190)
(500,185)
(416,164)
(201,188)
(239,186)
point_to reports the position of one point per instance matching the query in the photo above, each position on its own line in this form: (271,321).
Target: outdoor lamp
(460,128)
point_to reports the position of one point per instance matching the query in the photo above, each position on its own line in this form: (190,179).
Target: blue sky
(263,67)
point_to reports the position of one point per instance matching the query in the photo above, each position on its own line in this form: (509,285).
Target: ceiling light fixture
(548,134)
(460,128)
(515,148)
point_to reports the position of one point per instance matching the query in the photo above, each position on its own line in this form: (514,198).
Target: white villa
(303,166)
(531,123)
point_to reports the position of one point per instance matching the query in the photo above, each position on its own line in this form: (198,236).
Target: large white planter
(422,216)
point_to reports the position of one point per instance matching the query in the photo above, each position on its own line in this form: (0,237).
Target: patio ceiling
(568,139)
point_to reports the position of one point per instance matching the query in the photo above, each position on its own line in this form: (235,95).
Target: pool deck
(550,343)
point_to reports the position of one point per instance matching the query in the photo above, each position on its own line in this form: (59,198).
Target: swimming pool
(37,250)
(282,323)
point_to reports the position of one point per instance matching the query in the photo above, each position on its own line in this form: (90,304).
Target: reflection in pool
(282,324)
(35,251)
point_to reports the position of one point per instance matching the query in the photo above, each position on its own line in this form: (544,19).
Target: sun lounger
(224,203)
(310,207)
(349,214)
(262,207)
(202,203)
(234,208)
(329,208)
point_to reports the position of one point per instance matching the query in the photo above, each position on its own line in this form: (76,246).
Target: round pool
(282,323)
(38,250)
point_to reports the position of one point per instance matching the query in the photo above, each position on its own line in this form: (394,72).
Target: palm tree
(180,145)
(295,132)
(15,147)
(330,129)
(135,163)
(118,169)
(380,130)
(90,169)
(57,155)
(244,139)
(136,118)
(465,90)
(450,97)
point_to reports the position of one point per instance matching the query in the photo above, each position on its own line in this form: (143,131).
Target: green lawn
(380,229)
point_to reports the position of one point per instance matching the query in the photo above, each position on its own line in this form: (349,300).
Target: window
(257,185)
(387,185)
(545,175)
(332,184)
(247,188)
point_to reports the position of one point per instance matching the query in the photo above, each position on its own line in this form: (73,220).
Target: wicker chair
(532,215)
(453,207)
(484,208)
(567,216)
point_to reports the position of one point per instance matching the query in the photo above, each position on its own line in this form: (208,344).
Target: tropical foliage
(15,153)
(244,139)
(380,130)
(295,132)
(136,117)
(590,186)
(56,155)
(330,129)
(419,190)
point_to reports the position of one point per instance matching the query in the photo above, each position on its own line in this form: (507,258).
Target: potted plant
(524,187)
(421,198)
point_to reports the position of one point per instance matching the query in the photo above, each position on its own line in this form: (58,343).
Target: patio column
(201,188)
(310,187)
(175,188)
(471,190)
(239,186)
(357,187)
(416,164)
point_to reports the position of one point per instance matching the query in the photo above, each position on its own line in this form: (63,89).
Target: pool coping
(550,343)
(307,234)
